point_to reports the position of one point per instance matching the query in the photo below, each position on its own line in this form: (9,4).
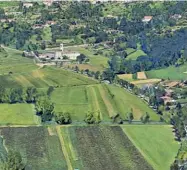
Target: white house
(28,4)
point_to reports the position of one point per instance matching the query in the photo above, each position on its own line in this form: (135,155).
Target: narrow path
(94,101)
(64,148)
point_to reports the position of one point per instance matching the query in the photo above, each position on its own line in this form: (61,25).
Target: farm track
(94,102)
(109,106)
(64,148)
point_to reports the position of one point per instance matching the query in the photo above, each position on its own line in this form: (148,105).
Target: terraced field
(101,147)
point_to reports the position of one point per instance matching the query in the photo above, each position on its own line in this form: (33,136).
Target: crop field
(79,100)
(147,81)
(141,75)
(125,101)
(18,114)
(155,142)
(108,100)
(39,149)
(102,147)
(172,72)
(127,77)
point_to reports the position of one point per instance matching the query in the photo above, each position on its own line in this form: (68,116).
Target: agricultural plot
(172,72)
(156,143)
(108,100)
(101,147)
(125,101)
(40,149)
(147,81)
(141,75)
(18,114)
(79,100)
(127,77)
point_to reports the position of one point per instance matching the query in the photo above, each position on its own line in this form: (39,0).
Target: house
(38,26)
(176,16)
(48,2)
(48,23)
(147,18)
(27,4)
(3,20)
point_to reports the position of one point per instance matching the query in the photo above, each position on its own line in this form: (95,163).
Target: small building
(176,16)
(38,26)
(48,2)
(3,20)
(147,18)
(48,23)
(28,4)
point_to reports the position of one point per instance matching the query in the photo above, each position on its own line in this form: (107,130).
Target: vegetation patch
(156,143)
(39,150)
(18,114)
(172,73)
(126,101)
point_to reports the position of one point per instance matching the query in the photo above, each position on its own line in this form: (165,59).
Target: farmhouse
(147,18)
(27,4)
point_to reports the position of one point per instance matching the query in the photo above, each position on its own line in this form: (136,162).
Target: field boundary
(139,149)
(64,148)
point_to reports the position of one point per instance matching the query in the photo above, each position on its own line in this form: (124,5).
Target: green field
(172,72)
(124,101)
(100,62)
(81,99)
(101,148)
(156,143)
(18,114)
(135,55)
(40,149)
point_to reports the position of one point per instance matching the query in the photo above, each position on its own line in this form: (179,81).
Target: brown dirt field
(104,147)
(38,74)
(125,76)
(141,75)
(147,81)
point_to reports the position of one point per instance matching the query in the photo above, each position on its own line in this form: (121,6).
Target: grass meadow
(156,143)
(172,72)
(18,114)
(125,101)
